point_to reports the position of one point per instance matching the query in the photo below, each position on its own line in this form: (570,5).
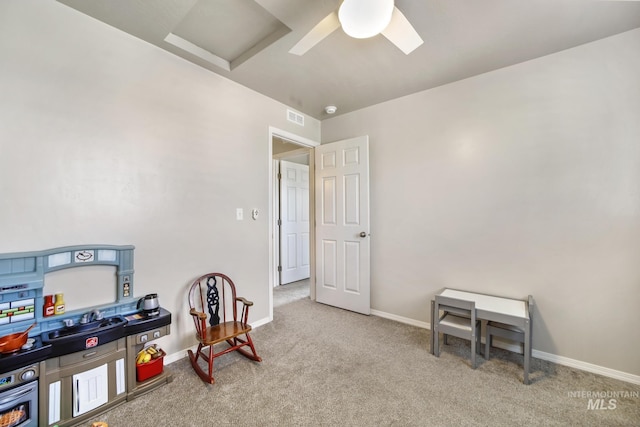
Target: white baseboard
(413,322)
(588,367)
(261,322)
(174,357)
(560,360)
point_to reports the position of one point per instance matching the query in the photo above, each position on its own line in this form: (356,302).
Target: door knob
(363,234)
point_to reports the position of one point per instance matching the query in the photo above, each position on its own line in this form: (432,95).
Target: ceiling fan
(364,19)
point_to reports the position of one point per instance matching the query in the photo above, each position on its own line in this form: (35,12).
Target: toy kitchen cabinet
(76,385)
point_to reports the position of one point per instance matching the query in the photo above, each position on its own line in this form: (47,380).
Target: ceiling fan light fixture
(362,19)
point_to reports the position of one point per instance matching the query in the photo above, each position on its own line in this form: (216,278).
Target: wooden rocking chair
(215,294)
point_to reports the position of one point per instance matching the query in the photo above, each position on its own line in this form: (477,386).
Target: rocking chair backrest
(213,294)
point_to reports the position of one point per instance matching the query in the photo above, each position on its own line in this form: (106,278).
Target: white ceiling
(248,41)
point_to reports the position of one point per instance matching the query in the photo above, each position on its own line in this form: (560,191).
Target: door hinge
(279,221)
(279,176)
(279,268)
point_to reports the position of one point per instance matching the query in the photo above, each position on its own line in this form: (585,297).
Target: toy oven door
(19,406)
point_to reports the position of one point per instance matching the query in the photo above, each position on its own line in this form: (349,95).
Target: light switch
(156,334)
(239,214)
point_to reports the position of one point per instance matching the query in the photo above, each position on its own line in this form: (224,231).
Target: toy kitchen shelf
(141,331)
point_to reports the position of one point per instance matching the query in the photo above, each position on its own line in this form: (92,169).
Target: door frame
(273,238)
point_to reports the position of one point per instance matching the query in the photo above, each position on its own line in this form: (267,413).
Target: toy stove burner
(25,356)
(29,344)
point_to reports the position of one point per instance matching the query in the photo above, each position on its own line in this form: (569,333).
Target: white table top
(508,306)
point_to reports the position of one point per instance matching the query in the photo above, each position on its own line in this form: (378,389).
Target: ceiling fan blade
(401,33)
(325,27)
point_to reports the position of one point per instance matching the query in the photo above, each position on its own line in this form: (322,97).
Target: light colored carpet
(290,292)
(324,366)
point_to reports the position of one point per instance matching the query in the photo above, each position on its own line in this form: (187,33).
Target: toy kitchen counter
(138,322)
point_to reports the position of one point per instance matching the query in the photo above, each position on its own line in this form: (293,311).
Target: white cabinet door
(90,389)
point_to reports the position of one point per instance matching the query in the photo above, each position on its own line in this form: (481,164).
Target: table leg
(527,350)
(434,334)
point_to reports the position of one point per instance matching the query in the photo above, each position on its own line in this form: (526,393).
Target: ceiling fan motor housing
(362,19)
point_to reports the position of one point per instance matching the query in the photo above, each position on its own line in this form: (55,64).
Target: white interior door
(294,214)
(342,224)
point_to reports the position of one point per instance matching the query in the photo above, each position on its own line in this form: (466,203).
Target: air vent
(294,117)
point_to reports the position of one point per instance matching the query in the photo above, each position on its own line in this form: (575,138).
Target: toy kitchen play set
(63,367)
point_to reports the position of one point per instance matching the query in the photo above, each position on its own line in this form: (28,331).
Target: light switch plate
(239,214)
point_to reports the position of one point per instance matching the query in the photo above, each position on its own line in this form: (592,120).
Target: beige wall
(525,180)
(107,139)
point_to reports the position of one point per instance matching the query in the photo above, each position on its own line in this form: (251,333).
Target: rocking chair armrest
(244,301)
(200,315)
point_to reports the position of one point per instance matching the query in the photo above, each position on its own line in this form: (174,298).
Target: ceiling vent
(294,117)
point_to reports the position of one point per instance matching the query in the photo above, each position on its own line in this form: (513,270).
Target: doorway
(297,150)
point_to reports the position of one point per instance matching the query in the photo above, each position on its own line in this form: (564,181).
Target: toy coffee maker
(149,305)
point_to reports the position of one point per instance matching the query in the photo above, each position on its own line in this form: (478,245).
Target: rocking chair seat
(224,331)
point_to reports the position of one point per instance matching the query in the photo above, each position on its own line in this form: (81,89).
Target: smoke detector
(330,109)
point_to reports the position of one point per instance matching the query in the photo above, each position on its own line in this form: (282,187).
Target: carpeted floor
(291,292)
(324,366)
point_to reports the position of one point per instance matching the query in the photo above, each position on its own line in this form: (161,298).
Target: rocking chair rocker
(214,293)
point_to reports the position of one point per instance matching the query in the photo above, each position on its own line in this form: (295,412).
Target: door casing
(273,270)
